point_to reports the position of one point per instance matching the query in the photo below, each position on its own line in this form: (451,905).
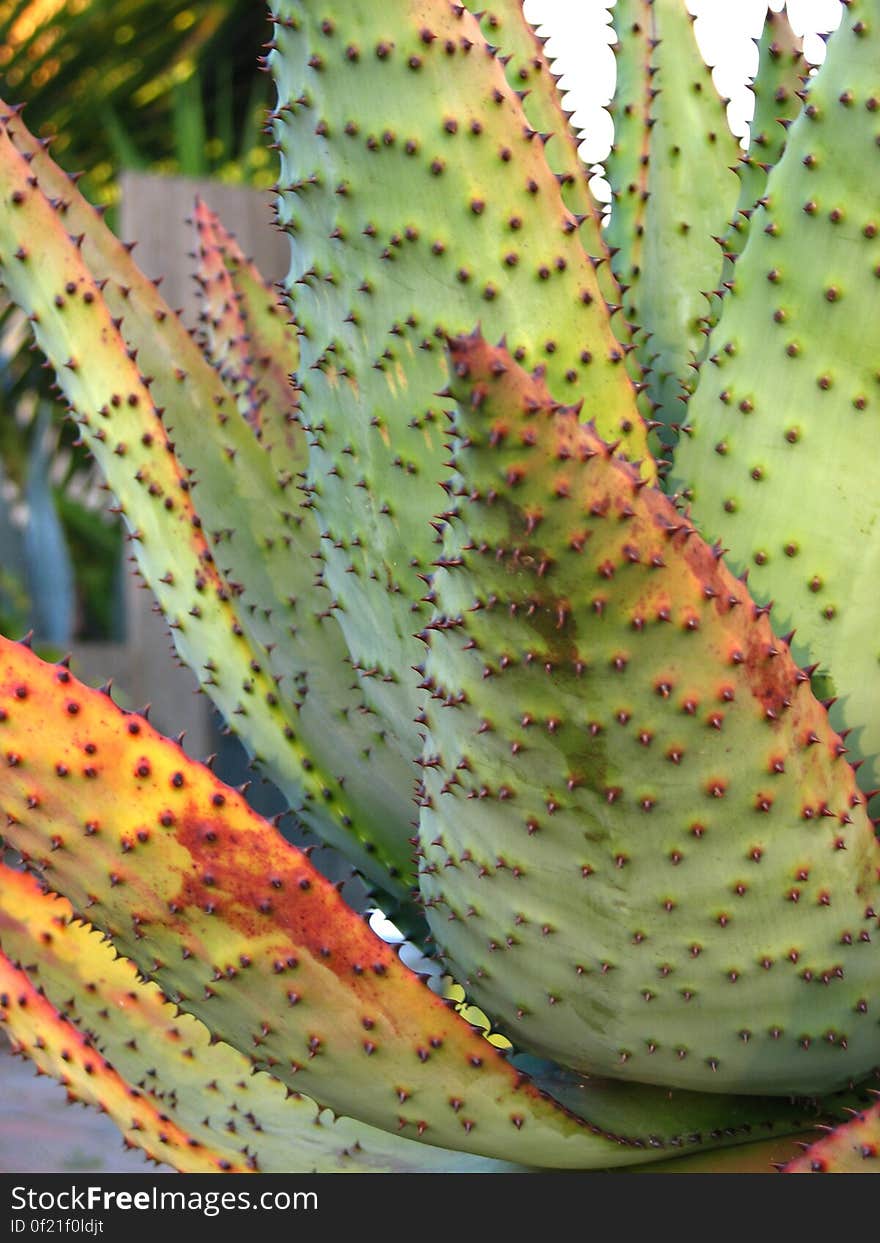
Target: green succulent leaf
(248,337)
(409,222)
(240,931)
(777,92)
(35,1028)
(531,75)
(644,851)
(413,567)
(204,1090)
(762,1156)
(777,89)
(673,192)
(780,461)
(234,577)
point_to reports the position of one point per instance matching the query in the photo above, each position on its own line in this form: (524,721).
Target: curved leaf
(673,192)
(644,850)
(777,87)
(240,930)
(233,572)
(786,406)
(56,1047)
(232,1119)
(248,337)
(410,221)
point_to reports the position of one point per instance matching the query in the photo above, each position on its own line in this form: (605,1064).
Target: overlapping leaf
(206,1109)
(233,571)
(644,850)
(382,115)
(780,462)
(673,192)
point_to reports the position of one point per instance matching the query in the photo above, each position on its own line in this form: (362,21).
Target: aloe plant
(416,537)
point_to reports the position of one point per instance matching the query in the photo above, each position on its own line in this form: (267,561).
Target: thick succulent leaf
(188,1101)
(644,849)
(418,199)
(694,1123)
(673,191)
(777,90)
(626,166)
(233,572)
(777,84)
(248,337)
(57,1047)
(530,73)
(207,1090)
(852,1148)
(786,408)
(238,929)
(233,1119)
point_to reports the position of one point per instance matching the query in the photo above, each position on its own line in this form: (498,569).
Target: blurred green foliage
(157,84)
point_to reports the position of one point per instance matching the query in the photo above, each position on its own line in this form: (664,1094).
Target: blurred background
(157,100)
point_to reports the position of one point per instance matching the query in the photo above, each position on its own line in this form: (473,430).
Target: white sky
(580,35)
